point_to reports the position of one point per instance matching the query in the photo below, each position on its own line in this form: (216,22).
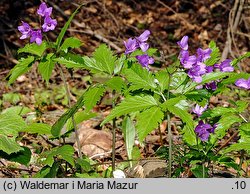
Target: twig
(9,58)
(178,15)
(234,18)
(88,30)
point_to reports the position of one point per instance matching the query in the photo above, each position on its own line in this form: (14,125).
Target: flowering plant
(148,97)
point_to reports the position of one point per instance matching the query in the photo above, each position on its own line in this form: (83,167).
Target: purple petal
(243,83)
(203,55)
(226,66)
(145,60)
(144,46)
(49,24)
(43,10)
(25,29)
(183,43)
(131,45)
(199,110)
(36,36)
(144,36)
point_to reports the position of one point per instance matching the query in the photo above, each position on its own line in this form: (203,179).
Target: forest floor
(112,22)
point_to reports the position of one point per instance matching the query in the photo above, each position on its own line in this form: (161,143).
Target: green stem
(73,119)
(113,135)
(203,169)
(170,146)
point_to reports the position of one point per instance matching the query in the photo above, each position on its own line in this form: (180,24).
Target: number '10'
(240,184)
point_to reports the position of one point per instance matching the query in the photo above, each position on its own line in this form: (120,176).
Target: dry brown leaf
(94,143)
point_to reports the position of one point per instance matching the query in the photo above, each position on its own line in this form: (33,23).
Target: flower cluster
(48,24)
(203,130)
(195,66)
(243,83)
(133,44)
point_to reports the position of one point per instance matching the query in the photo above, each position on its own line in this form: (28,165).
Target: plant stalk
(113,135)
(70,105)
(170,146)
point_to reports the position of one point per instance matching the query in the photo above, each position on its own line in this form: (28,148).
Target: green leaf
(238,147)
(131,104)
(11,97)
(207,78)
(116,83)
(189,135)
(128,130)
(9,145)
(241,106)
(57,127)
(172,102)
(245,132)
(177,79)
(39,128)
(43,172)
(219,111)
(104,59)
(223,125)
(22,67)
(198,95)
(163,79)
(215,55)
(22,157)
(71,42)
(119,64)
(34,49)
(65,27)
(84,163)
(198,171)
(46,67)
(151,51)
(19,110)
(147,121)
(65,152)
(71,61)
(140,78)
(92,96)
(237,60)
(187,118)
(11,124)
(235,76)
(79,117)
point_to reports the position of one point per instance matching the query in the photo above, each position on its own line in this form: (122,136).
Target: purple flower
(186,60)
(209,69)
(131,45)
(203,130)
(25,29)
(197,71)
(243,83)
(203,55)
(145,60)
(211,85)
(141,40)
(49,24)
(183,43)
(199,110)
(44,11)
(225,66)
(36,36)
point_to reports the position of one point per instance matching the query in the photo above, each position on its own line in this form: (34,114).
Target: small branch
(9,58)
